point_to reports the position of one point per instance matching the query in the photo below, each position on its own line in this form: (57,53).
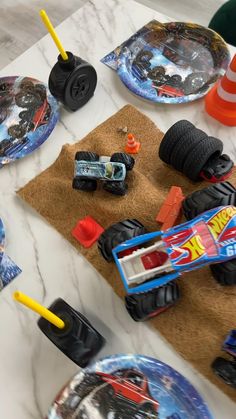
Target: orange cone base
(93,233)
(133,150)
(223,115)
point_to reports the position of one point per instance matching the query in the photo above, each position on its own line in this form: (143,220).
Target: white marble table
(32,369)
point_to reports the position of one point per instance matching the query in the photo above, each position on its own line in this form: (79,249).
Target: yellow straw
(35,306)
(53,34)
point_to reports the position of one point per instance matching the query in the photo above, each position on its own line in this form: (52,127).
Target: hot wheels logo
(220,220)
(190,251)
(194,247)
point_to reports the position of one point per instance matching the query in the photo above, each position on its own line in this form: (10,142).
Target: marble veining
(32,369)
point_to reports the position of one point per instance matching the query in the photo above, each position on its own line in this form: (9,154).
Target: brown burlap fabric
(197,325)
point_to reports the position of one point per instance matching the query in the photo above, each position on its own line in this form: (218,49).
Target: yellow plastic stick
(53,34)
(35,306)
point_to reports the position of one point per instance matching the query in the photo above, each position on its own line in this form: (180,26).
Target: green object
(224,22)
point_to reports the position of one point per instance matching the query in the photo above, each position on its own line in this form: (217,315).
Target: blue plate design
(129,386)
(8,269)
(174,62)
(28,114)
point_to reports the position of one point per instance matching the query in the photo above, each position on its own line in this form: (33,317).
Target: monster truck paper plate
(8,269)
(129,387)
(174,62)
(28,114)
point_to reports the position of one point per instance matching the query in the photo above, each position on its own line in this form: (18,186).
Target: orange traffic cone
(87,231)
(220,102)
(132,146)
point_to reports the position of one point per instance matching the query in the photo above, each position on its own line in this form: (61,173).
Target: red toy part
(154,259)
(171,209)
(128,251)
(215,179)
(87,231)
(168,91)
(39,116)
(158,311)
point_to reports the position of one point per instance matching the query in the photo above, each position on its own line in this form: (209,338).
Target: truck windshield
(134,379)
(113,171)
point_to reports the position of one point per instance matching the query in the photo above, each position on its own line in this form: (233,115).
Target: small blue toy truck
(89,168)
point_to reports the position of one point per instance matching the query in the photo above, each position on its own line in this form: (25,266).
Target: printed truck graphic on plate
(132,389)
(209,238)
(124,390)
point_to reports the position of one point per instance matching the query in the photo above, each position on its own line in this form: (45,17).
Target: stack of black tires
(192,152)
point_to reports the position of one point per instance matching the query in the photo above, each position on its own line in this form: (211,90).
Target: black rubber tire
(89,382)
(184,146)
(225,273)
(27,100)
(4,144)
(171,137)
(86,156)
(81,390)
(116,188)
(117,234)
(175,81)
(40,90)
(199,78)
(143,305)
(124,158)
(25,115)
(147,412)
(155,72)
(140,56)
(219,194)
(5,87)
(70,405)
(27,85)
(199,155)
(226,370)
(27,126)
(16,131)
(84,184)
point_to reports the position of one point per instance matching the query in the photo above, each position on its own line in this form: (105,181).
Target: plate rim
(121,64)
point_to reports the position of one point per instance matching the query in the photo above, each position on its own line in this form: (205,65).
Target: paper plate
(28,114)
(2,240)
(129,387)
(174,62)
(8,269)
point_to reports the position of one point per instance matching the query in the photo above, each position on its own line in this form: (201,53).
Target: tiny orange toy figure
(87,231)
(132,146)
(220,102)
(171,209)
